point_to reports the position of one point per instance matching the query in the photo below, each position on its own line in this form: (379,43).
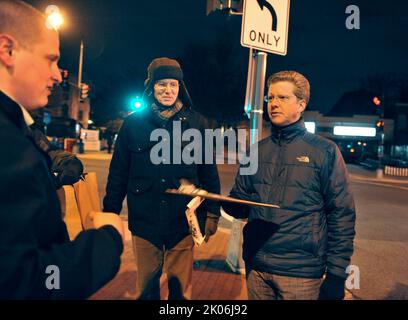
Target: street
(381,244)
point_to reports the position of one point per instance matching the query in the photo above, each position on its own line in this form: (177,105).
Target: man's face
(35,72)
(166,91)
(284,108)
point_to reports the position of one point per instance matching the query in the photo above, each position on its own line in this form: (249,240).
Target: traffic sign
(265,25)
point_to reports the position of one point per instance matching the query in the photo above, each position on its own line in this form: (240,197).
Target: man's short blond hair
(21,21)
(302,85)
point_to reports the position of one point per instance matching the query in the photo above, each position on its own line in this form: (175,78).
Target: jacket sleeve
(340,213)
(116,187)
(210,181)
(208,174)
(243,190)
(34,245)
(80,267)
(74,269)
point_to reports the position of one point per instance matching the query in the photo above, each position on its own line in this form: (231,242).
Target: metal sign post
(260,59)
(255,92)
(265,25)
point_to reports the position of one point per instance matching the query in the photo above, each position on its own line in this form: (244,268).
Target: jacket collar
(12,110)
(288,133)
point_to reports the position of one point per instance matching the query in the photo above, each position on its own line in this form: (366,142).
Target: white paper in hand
(193,221)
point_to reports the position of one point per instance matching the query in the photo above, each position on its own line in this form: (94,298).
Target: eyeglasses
(162,85)
(281,98)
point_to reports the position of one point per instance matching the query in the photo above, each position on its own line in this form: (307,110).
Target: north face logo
(304,159)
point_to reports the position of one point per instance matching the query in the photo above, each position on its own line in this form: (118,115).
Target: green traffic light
(137,104)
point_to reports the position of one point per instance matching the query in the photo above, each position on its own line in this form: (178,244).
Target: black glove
(237,210)
(332,288)
(211,225)
(66,167)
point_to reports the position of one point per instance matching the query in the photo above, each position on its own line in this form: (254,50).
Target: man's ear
(302,105)
(7,50)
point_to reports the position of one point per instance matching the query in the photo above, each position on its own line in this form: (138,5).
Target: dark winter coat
(313,231)
(33,236)
(152,213)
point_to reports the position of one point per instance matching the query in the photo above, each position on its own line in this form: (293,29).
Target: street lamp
(54,17)
(54,21)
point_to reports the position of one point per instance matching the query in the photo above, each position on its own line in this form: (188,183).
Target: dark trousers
(267,286)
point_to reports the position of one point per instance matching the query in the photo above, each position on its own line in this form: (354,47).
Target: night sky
(122,37)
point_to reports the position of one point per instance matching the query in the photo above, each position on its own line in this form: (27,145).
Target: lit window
(354,131)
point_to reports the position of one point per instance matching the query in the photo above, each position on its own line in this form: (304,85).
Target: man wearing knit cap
(161,237)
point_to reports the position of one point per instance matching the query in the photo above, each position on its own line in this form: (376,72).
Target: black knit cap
(163,68)
(166,68)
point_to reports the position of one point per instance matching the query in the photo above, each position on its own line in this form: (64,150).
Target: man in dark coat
(37,259)
(161,236)
(288,250)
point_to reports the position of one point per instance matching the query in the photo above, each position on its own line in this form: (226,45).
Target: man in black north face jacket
(288,250)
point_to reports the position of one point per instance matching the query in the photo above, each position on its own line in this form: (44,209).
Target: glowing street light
(136,104)
(54,17)
(55,20)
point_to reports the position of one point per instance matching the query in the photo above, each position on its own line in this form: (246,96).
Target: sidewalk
(95,155)
(212,280)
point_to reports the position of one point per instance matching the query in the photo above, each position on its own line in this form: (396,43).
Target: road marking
(378,184)
(381,180)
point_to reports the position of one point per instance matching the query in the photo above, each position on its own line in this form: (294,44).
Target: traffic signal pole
(380,152)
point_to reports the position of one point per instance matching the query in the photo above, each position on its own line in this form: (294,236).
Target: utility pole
(81,61)
(380,125)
